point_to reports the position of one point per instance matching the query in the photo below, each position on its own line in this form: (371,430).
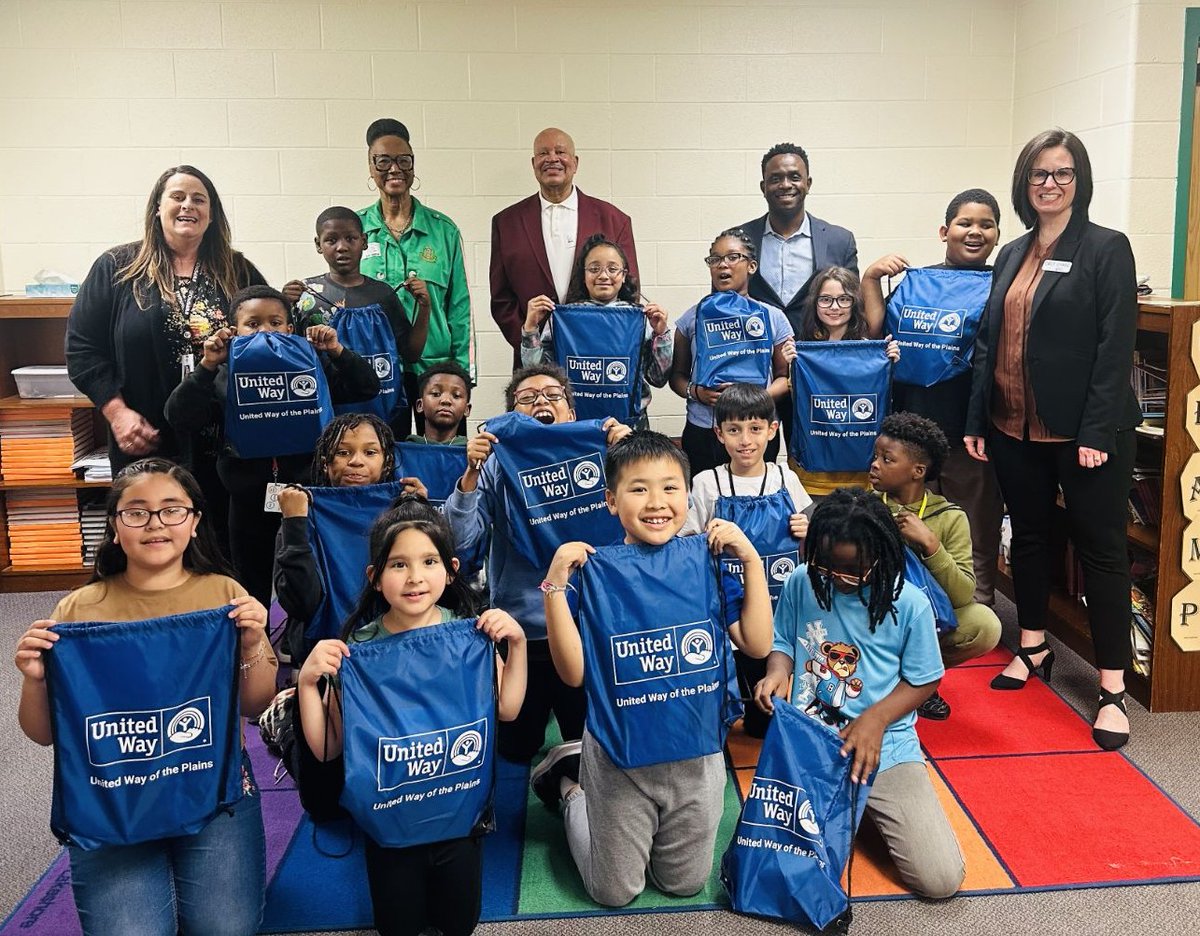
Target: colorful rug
(1000,760)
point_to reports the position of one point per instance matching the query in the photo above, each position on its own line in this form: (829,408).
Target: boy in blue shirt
(865,658)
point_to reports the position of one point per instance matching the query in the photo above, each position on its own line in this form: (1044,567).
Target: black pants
(704,450)
(750,670)
(415,888)
(523,737)
(252,542)
(1097,513)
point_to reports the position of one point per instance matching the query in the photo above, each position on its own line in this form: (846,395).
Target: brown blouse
(1013,405)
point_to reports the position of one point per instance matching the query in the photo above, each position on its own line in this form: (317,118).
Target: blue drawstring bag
(339,519)
(840,395)
(734,341)
(438,466)
(368,332)
(553,483)
(144,716)
(661,683)
(766,521)
(796,830)
(277,400)
(419,729)
(917,575)
(600,348)
(934,315)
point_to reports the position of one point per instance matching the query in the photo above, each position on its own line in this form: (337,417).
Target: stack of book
(93,466)
(43,446)
(1142,632)
(92,520)
(1145,497)
(44,530)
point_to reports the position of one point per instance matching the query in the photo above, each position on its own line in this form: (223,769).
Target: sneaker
(561,761)
(935,708)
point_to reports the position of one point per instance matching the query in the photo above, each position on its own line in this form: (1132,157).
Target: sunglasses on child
(847,578)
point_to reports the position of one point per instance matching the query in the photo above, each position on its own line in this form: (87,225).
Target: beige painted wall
(900,104)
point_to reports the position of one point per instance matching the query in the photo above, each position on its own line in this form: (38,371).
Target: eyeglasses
(828,302)
(847,578)
(731,258)
(138,517)
(384,163)
(1063,176)
(549,394)
(612,269)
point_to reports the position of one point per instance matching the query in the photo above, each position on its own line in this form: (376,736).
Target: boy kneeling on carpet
(661,686)
(865,654)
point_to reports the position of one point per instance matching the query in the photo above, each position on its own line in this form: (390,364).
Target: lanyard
(920,510)
(762,490)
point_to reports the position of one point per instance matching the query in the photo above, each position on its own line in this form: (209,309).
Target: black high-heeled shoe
(1110,740)
(1025,655)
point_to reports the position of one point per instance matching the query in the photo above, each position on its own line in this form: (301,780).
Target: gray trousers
(662,819)
(972,486)
(905,808)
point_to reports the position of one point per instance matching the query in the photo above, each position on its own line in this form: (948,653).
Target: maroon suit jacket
(519,267)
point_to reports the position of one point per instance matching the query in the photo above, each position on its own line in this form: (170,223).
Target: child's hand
(293,290)
(917,533)
(798,525)
(216,349)
(536,311)
(891,265)
(417,289)
(657,317)
(725,535)
(500,626)
(479,449)
(892,349)
(31,647)
(768,688)
(325,660)
(251,618)
(324,338)
(708,395)
(788,349)
(293,501)
(414,486)
(616,430)
(570,556)
(863,737)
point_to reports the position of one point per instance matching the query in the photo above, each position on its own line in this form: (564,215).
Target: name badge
(1057,266)
(372,250)
(187,364)
(271,503)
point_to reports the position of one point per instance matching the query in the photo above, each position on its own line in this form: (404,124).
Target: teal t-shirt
(842,669)
(375,629)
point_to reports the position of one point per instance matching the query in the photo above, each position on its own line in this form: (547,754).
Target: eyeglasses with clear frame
(595,269)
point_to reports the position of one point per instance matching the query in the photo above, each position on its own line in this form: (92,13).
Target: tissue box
(42,383)
(42,290)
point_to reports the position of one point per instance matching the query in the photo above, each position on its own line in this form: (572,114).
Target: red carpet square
(1033,720)
(996,655)
(1062,819)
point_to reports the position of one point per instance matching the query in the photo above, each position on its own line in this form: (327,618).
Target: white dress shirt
(560,226)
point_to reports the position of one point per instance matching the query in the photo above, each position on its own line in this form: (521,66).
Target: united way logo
(863,408)
(586,475)
(591,371)
(148,734)
(755,327)
(616,372)
(781,568)
(430,755)
(467,749)
(663,652)
(187,725)
(950,324)
(922,321)
(304,385)
(383,366)
(697,646)
(778,805)
(562,481)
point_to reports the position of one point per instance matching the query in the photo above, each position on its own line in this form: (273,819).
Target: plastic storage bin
(44,383)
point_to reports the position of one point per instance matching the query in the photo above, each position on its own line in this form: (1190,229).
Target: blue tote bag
(916,575)
(144,716)
(600,348)
(339,519)
(367,331)
(419,728)
(797,826)
(553,483)
(438,466)
(766,521)
(840,395)
(661,684)
(277,400)
(734,341)
(934,315)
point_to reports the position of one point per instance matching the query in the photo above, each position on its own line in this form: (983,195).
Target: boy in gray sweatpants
(659,816)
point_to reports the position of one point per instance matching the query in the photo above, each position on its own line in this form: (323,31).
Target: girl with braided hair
(864,651)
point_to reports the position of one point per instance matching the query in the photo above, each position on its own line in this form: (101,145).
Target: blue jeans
(211,883)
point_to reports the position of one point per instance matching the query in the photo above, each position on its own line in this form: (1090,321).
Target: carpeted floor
(1164,746)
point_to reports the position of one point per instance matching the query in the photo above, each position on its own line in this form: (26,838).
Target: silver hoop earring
(417,187)
(371,185)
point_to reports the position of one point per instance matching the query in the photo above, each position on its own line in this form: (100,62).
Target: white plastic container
(44,383)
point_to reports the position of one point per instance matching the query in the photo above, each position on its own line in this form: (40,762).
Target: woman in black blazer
(1052,406)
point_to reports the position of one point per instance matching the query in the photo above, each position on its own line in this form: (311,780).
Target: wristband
(549,588)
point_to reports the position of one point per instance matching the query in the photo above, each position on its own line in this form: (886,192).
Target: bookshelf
(32,331)
(1164,326)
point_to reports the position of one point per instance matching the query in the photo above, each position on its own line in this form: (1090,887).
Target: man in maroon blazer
(534,242)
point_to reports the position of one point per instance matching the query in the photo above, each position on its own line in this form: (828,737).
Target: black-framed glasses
(137,517)
(549,394)
(595,269)
(828,302)
(731,258)
(384,163)
(1064,175)
(847,578)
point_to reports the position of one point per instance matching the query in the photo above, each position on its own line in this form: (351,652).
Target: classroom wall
(900,104)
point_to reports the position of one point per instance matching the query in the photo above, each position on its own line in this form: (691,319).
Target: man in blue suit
(792,244)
